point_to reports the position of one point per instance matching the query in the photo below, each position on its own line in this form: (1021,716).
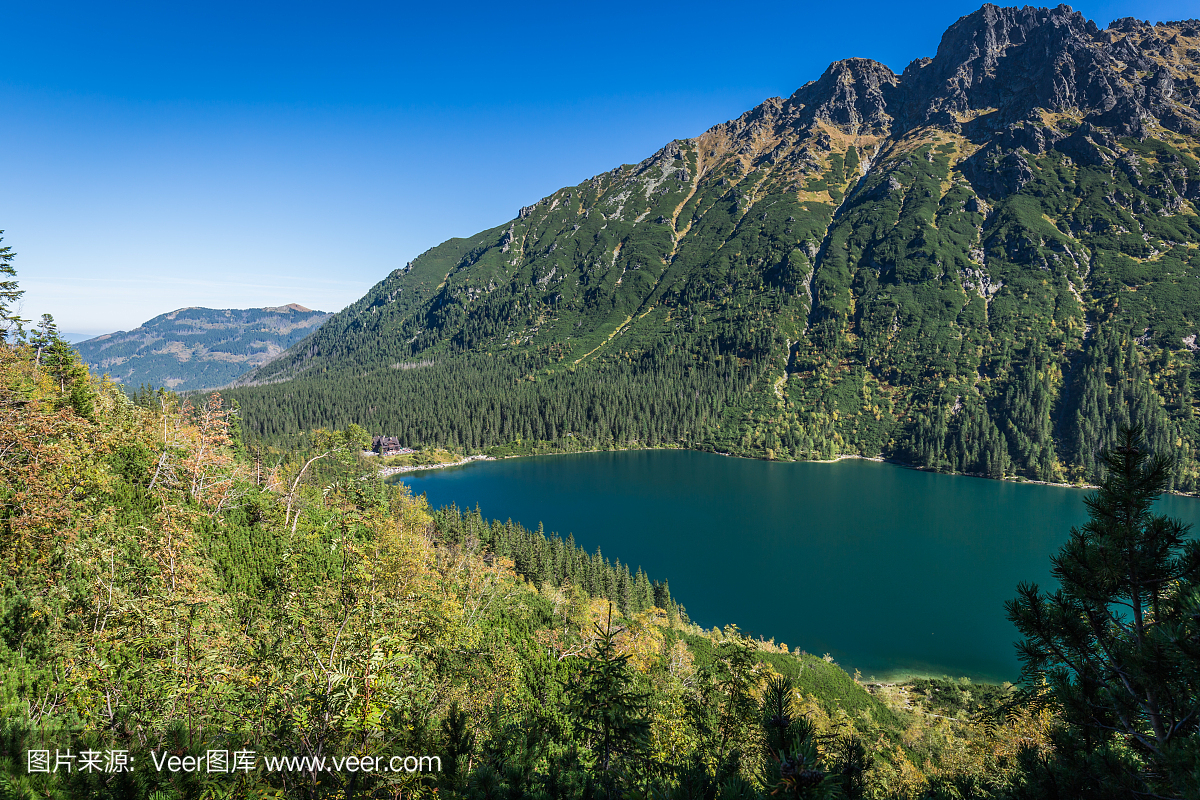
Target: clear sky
(236,155)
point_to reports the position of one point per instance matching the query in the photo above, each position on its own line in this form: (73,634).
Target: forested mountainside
(168,591)
(199,348)
(983,264)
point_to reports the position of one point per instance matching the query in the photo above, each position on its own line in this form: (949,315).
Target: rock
(995,174)
(977,206)
(1128,25)
(1082,147)
(850,95)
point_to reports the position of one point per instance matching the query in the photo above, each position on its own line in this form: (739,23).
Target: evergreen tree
(609,713)
(643,594)
(1185,390)
(1118,645)
(10,322)
(44,336)
(795,766)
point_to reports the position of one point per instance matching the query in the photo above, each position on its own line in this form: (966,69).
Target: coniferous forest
(282,623)
(931,266)
(986,264)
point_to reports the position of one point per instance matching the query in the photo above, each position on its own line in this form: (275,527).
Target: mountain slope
(983,264)
(199,348)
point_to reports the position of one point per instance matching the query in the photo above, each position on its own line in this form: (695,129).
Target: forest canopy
(170,589)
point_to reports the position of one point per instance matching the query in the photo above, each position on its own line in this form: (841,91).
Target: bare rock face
(1017,61)
(851,95)
(1011,60)
(1001,66)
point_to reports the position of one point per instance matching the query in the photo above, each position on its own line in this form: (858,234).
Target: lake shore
(386,471)
(905,575)
(834,460)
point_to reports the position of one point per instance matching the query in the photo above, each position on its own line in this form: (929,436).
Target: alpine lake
(892,571)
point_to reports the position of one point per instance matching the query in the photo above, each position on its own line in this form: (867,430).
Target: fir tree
(1185,390)
(643,594)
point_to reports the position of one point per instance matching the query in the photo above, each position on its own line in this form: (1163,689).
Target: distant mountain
(75,338)
(984,264)
(199,348)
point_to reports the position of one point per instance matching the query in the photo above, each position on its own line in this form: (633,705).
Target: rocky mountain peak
(996,72)
(1009,60)
(850,95)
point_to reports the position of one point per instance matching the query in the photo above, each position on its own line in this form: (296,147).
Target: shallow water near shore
(892,571)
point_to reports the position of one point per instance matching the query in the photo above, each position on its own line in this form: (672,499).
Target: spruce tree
(643,592)
(43,337)
(1118,645)
(608,711)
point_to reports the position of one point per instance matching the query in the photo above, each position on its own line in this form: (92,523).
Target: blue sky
(235,155)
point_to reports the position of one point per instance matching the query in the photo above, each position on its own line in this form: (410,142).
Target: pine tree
(43,337)
(1117,643)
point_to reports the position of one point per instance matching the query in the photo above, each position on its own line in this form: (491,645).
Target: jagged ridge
(880,251)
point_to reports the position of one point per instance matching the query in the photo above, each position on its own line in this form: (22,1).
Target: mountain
(75,338)
(984,264)
(366,622)
(199,348)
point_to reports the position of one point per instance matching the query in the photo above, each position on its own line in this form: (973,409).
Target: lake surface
(890,570)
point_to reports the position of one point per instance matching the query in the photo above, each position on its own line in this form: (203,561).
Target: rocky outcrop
(851,95)
(1011,60)
(995,72)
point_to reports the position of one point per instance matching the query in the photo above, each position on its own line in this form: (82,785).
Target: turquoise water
(890,570)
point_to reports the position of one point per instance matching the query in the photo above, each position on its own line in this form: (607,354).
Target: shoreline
(887,674)
(385,472)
